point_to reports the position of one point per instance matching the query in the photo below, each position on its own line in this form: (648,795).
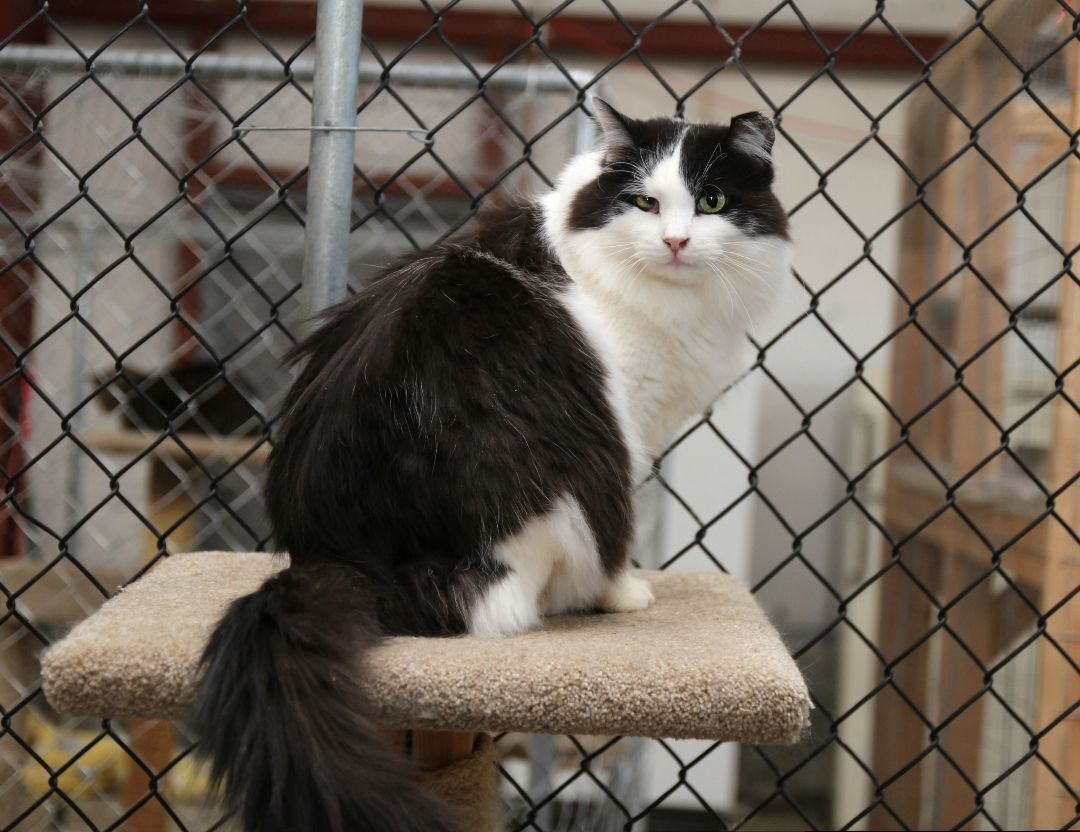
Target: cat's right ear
(614,126)
(752,135)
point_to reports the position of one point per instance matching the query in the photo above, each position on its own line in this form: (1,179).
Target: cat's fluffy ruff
(460,449)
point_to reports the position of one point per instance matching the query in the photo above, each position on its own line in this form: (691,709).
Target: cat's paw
(627,593)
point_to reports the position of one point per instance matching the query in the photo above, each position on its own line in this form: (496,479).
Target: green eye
(645,203)
(711,203)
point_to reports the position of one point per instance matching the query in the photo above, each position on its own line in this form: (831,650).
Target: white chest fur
(662,371)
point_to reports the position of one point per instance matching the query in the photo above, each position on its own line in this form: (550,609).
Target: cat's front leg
(626,593)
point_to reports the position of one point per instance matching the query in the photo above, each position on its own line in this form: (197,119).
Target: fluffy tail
(277,713)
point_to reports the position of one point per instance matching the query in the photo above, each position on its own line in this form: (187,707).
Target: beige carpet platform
(703,662)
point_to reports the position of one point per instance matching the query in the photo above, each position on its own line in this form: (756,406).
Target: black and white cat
(458,454)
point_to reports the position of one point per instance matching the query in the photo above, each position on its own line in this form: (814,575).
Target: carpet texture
(703,662)
(468,785)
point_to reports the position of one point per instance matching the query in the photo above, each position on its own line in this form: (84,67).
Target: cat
(459,452)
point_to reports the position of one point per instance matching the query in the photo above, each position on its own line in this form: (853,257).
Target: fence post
(330,160)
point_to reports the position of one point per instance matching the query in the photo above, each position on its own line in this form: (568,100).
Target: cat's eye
(711,202)
(646,203)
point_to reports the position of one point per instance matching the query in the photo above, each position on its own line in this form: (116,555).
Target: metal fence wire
(906,507)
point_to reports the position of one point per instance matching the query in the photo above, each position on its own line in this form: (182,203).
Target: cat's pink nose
(676,244)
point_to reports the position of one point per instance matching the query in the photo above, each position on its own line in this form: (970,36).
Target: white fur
(750,141)
(554,567)
(671,333)
(591,321)
(626,593)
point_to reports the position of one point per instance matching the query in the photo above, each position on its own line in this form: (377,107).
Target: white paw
(627,593)
(508,607)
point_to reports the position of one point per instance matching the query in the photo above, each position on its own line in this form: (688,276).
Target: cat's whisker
(728,260)
(727,288)
(742,256)
(733,297)
(751,322)
(751,262)
(754,244)
(743,272)
(628,260)
(749,319)
(744,263)
(760,286)
(735,265)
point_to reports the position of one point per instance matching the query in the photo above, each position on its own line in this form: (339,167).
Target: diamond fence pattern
(913,517)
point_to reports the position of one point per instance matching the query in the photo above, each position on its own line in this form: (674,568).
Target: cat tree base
(702,663)
(459,768)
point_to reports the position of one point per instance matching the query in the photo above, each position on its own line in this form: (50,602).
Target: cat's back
(497,268)
(493,285)
(462,367)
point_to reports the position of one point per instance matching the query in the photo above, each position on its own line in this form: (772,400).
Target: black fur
(643,142)
(710,158)
(709,161)
(438,411)
(277,712)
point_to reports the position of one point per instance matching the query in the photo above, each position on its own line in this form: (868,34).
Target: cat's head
(673,201)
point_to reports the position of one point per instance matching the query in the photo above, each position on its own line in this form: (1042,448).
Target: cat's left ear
(614,126)
(752,135)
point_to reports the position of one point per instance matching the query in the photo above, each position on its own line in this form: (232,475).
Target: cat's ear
(752,136)
(614,126)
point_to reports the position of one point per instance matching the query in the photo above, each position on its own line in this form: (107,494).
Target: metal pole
(330,165)
(213,65)
(85,268)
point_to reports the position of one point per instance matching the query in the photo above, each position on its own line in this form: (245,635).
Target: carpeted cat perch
(702,663)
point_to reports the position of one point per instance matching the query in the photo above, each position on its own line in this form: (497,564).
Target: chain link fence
(895,475)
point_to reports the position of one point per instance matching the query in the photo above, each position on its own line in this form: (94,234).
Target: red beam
(502,32)
(14,14)
(16,306)
(198,143)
